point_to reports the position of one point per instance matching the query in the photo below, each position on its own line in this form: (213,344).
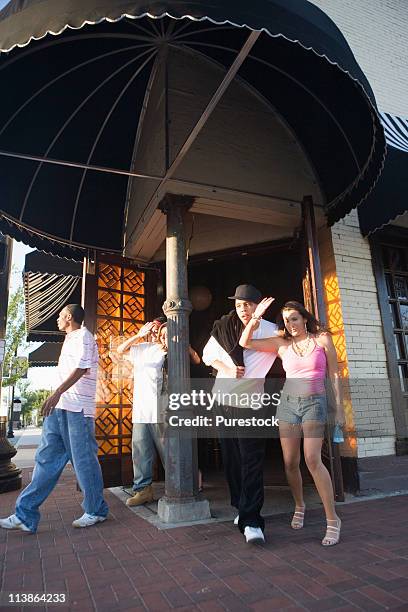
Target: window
(395,261)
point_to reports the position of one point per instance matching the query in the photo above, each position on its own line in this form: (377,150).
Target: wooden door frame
(393,237)
(314,300)
(116,469)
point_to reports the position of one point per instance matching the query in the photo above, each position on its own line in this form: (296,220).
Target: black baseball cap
(249,293)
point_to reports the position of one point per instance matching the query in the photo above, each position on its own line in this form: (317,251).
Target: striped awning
(396,131)
(389,198)
(49,284)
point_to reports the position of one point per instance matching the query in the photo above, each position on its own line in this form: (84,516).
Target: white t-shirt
(149,402)
(257,364)
(79,351)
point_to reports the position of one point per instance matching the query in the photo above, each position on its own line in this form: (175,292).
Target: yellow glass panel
(127,391)
(107,424)
(336,326)
(127,445)
(122,372)
(133,307)
(107,391)
(115,322)
(108,304)
(108,447)
(133,281)
(106,365)
(130,328)
(105,329)
(127,430)
(109,276)
(127,421)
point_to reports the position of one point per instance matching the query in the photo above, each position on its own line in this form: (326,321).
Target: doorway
(276,269)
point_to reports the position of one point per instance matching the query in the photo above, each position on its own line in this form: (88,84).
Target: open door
(313,295)
(118,297)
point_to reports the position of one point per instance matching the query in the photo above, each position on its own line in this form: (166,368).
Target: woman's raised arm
(267,345)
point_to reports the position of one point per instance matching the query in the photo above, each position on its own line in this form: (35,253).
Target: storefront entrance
(282,268)
(275,269)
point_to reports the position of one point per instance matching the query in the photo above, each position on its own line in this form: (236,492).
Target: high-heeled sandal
(332,536)
(298,518)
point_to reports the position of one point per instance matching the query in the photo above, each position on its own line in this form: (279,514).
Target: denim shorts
(297,410)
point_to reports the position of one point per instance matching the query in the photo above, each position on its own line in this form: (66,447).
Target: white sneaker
(236,520)
(254,534)
(12,522)
(87,520)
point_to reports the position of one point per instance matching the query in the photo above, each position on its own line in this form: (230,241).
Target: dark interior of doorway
(275,269)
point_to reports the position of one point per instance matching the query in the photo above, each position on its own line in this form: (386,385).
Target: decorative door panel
(119,298)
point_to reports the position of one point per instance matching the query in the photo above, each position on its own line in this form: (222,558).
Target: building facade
(219,153)
(374,328)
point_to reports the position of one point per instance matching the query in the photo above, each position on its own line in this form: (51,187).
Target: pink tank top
(305,375)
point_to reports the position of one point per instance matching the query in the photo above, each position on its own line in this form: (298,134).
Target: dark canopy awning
(46,264)
(74,83)
(49,284)
(45,355)
(389,198)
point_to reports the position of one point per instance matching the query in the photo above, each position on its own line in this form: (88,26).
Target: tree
(14,368)
(35,400)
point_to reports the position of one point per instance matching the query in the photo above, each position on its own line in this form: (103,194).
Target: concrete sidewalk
(26,442)
(128,564)
(29,436)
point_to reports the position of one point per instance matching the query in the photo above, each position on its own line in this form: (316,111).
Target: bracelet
(256,318)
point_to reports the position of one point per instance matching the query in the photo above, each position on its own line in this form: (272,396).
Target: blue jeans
(145,437)
(66,436)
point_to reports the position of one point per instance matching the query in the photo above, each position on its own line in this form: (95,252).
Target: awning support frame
(159,193)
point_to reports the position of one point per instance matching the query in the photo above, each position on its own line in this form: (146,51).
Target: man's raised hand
(263,307)
(146,329)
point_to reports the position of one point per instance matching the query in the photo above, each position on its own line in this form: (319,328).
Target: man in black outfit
(243,457)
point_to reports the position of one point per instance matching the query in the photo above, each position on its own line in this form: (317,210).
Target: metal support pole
(181,501)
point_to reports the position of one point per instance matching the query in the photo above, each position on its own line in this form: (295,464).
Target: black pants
(243,460)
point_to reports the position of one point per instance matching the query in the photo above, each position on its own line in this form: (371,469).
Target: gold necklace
(301,352)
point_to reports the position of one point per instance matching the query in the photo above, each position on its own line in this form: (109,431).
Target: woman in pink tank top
(308,357)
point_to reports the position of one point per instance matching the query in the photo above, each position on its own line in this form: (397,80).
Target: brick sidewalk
(127,564)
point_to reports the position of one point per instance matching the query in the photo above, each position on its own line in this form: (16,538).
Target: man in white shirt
(243,457)
(149,402)
(68,431)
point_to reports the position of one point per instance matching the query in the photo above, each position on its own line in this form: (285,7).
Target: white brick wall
(376,31)
(370,391)
(375,447)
